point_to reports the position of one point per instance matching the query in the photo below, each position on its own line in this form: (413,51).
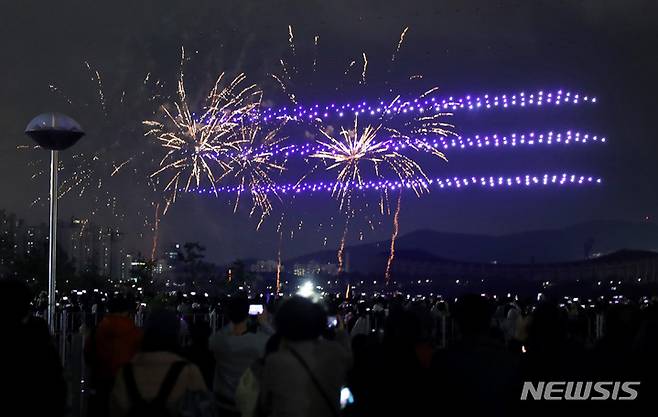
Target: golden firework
(196,144)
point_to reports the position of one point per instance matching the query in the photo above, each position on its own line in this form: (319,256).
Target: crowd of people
(331,357)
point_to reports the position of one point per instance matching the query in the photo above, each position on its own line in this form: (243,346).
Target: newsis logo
(571,390)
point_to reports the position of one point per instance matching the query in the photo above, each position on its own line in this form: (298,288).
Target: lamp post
(54,132)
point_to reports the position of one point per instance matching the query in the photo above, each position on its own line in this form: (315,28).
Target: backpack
(198,404)
(247,392)
(158,406)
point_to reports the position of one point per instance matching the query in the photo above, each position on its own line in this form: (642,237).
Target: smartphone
(332,321)
(255,309)
(346,397)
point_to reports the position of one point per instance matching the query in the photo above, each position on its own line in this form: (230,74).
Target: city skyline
(88,246)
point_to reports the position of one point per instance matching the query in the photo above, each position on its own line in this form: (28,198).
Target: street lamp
(54,132)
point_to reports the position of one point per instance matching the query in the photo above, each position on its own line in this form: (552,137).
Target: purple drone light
(431,104)
(457,182)
(513,140)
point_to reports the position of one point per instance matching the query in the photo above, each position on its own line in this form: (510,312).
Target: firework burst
(252,165)
(353,150)
(196,145)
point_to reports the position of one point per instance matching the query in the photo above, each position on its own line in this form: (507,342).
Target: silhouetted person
(645,361)
(32,371)
(362,325)
(305,376)
(476,375)
(235,348)
(391,379)
(612,357)
(114,343)
(248,390)
(197,351)
(157,377)
(550,353)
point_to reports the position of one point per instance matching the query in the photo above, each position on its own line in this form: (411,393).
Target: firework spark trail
(400,42)
(428,92)
(196,145)
(341,249)
(263,216)
(365,68)
(394,236)
(284,67)
(433,125)
(349,66)
(117,168)
(278,265)
(96,77)
(340,255)
(290,94)
(291,39)
(156,231)
(315,52)
(280,224)
(56,90)
(291,45)
(85,223)
(82,176)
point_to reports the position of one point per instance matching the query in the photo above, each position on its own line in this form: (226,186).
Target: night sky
(598,47)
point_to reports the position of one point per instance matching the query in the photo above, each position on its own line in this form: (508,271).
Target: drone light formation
(429,104)
(513,140)
(445,183)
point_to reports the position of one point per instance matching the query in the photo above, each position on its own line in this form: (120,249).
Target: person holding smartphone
(235,348)
(305,376)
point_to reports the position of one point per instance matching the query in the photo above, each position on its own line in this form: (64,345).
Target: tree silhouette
(191,258)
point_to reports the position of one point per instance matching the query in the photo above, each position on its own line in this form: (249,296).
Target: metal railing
(72,329)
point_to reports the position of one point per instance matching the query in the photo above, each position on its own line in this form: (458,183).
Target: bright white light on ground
(306,290)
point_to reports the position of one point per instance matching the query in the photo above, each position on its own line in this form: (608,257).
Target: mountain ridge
(571,243)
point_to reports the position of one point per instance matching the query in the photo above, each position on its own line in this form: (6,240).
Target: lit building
(268,265)
(314,268)
(93,248)
(9,228)
(126,266)
(34,239)
(117,254)
(77,240)
(102,250)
